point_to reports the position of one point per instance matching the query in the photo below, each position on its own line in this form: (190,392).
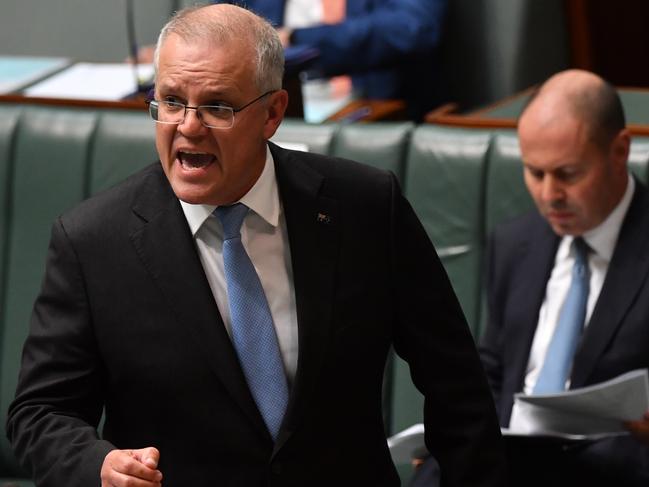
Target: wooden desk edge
(30,100)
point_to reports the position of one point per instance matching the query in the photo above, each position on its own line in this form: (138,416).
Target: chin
(193,195)
(564,231)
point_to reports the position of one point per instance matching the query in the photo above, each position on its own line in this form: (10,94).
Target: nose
(551,190)
(191,124)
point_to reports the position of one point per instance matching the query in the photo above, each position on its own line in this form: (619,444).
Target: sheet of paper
(546,435)
(92,81)
(405,444)
(592,411)
(17,72)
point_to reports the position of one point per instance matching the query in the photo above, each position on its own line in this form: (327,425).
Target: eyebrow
(209,97)
(562,167)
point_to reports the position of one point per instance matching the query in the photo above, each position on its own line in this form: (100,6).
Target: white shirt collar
(262,198)
(603,238)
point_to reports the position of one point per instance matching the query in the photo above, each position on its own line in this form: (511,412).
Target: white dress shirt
(601,240)
(264,236)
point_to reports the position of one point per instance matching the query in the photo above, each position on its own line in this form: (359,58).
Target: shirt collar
(262,198)
(602,238)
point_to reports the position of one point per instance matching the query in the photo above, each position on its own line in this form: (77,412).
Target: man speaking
(231,308)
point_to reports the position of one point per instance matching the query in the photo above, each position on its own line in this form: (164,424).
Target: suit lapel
(312,223)
(166,248)
(528,292)
(626,274)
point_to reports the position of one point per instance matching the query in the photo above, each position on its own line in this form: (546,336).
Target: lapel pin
(323,218)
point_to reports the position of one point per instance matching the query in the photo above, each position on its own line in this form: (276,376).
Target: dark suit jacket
(616,340)
(389,46)
(126,319)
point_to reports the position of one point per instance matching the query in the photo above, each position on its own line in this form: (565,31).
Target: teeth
(194,160)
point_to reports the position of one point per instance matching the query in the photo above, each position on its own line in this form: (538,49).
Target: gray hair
(191,24)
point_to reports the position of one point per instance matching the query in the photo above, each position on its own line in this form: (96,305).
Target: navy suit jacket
(388,46)
(616,340)
(126,320)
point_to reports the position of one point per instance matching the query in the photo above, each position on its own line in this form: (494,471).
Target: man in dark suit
(151,293)
(574,147)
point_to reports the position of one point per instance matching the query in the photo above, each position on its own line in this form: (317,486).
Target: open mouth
(195,160)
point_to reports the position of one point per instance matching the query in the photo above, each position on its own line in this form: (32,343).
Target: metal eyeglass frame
(156,104)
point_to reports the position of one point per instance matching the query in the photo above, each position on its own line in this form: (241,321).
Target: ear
(620,148)
(275,112)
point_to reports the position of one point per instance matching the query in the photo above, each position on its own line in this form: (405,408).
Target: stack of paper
(593,411)
(579,414)
(93,81)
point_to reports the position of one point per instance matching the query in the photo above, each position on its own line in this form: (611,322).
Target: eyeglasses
(211,116)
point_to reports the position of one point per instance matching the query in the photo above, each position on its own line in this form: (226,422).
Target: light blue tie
(253,332)
(558,358)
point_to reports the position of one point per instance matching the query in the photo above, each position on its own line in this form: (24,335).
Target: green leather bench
(461,183)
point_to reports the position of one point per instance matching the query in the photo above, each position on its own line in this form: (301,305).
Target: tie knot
(581,248)
(231,218)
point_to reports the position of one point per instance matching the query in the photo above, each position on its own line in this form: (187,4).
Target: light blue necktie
(253,332)
(558,358)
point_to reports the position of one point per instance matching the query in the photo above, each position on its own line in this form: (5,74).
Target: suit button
(276,468)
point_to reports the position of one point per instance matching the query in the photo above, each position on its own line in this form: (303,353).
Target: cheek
(586,206)
(234,150)
(163,141)
(534,189)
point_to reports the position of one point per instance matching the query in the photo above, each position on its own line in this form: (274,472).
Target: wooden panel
(611,39)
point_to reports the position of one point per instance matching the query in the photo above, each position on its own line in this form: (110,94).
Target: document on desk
(92,81)
(590,412)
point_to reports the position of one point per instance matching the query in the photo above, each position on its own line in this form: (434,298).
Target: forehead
(188,64)
(562,140)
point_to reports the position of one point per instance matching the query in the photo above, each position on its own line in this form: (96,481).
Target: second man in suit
(568,286)
(568,283)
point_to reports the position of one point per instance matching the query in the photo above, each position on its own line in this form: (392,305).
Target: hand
(132,468)
(640,428)
(284,36)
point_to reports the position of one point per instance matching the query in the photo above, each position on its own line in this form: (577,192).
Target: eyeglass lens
(173,112)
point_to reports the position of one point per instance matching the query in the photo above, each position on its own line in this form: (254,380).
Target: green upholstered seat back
(382,145)
(506,194)
(49,174)
(639,157)
(296,134)
(124,142)
(9,116)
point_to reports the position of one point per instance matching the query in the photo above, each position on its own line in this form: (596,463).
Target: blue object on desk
(18,72)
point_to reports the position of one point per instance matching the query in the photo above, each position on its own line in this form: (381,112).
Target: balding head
(583,96)
(574,148)
(224,24)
